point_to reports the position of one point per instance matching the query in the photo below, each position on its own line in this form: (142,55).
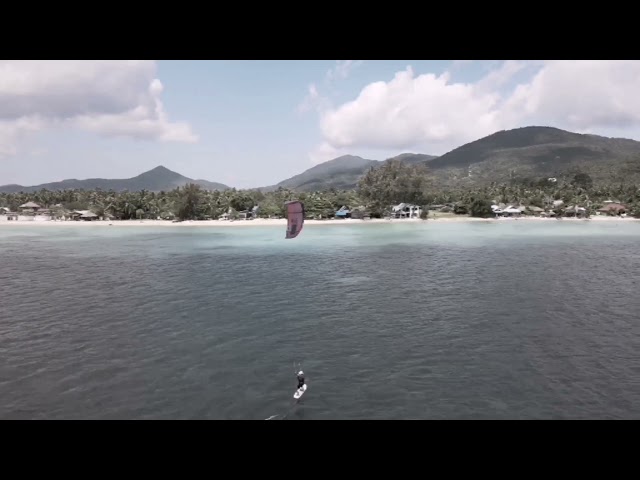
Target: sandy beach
(283,222)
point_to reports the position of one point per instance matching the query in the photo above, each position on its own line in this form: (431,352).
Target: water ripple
(436,321)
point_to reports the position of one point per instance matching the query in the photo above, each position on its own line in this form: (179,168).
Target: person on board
(300,376)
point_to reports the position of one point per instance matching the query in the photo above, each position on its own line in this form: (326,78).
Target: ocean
(426,320)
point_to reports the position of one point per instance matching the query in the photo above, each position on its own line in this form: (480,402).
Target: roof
(29,205)
(612,206)
(85,213)
(402,206)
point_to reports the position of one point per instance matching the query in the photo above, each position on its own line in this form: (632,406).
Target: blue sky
(254,123)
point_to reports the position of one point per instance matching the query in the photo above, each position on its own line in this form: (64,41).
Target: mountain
(341,173)
(155,180)
(538,152)
(529,152)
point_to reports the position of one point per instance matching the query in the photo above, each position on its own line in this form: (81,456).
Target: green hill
(537,152)
(341,173)
(521,153)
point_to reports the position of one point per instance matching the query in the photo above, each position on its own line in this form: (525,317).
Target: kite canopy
(295,217)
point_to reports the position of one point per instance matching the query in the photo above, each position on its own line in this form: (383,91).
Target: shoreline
(283,222)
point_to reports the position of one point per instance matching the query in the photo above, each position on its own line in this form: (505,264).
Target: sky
(254,123)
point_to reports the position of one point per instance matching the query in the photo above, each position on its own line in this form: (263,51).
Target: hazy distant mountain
(537,152)
(341,173)
(155,180)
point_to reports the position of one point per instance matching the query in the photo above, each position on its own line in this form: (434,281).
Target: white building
(406,210)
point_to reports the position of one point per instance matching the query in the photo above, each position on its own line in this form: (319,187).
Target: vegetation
(392,183)
(342,173)
(184,203)
(522,156)
(517,155)
(531,166)
(389,183)
(536,153)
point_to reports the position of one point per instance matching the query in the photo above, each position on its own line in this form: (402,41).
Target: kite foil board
(300,391)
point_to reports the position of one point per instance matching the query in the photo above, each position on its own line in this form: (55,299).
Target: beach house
(29,207)
(85,215)
(613,208)
(6,214)
(406,210)
(248,214)
(506,211)
(535,211)
(575,211)
(344,212)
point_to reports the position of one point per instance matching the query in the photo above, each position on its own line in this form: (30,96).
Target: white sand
(283,222)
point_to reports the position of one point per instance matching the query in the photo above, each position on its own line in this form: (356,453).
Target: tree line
(380,187)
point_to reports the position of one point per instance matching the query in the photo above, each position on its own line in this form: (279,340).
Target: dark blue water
(421,321)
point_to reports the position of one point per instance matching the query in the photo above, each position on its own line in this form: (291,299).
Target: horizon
(252,124)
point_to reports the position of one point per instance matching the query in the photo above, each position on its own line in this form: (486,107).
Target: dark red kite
(295,217)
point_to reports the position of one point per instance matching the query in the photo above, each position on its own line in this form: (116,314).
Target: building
(406,210)
(508,211)
(344,212)
(575,211)
(249,214)
(536,211)
(360,213)
(84,215)
(29,207)
(7,215)
(613,208)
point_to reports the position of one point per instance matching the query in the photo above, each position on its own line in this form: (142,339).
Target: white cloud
(106,97)
(323,153)
(581,94)
(434,114)
(318,102)
(311,101)
(408,111)
(342,69)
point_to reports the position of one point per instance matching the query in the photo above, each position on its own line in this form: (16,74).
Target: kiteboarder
(300,376)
